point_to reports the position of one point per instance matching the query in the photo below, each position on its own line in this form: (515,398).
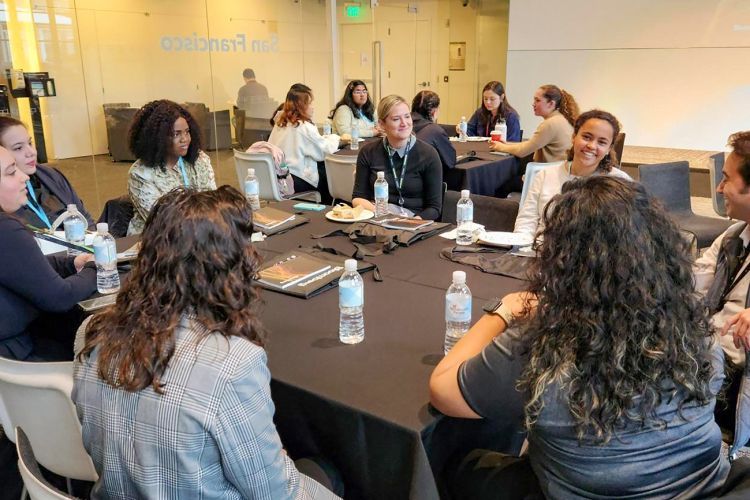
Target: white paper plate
(364,215)
(504,239)
(469,139)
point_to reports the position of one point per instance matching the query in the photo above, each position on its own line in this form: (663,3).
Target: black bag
(490,260)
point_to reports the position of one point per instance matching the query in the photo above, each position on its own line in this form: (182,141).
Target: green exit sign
(352,10)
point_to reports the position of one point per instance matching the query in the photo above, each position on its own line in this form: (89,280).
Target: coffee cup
(496,135)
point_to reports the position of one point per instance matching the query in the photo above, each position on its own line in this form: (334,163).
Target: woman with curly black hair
(355,110)
(166,140)
(171,386)
(613,366)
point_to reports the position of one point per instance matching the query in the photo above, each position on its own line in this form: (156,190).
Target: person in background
(166,140)
(355,109)
(171,385)
(591,154)
(49,192)
(412,167)
(251,94)
(495,107)
(424,111)
(610,360)
(304,148)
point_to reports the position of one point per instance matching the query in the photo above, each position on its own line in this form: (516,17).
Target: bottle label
(251,188)
(105,253)
(464,212)
(458,307)
(351,296)
(381,191)
(75,229)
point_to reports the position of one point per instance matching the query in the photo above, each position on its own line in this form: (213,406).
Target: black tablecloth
(365,406)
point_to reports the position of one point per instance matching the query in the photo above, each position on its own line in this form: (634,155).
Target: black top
(31,283)
(434,135)
(422,188)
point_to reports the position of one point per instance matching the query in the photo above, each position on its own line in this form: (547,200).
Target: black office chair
(670,183)
(715,172)
(117,213)
(495,214)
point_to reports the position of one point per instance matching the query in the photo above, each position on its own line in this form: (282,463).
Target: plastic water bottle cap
(250,171)
(350,265)
(463,118)
(102,227)
(459,277)
(72,208)
(465,193)
(381,175)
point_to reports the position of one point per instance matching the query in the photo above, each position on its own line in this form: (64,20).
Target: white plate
(504,239)
(364,215)
(469,139)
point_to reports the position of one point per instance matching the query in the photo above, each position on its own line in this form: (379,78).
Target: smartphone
(317,207)
(98,302)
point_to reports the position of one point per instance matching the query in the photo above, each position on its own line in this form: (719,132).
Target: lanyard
(185,179)
(399,179)
(36,207)
(734,280)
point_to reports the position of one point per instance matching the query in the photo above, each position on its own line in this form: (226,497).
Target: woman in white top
(303,146)
(591,154)
(355,110)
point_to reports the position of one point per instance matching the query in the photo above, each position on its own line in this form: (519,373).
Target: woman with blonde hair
(412,167)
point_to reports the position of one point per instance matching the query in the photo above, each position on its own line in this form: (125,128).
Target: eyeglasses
(359,92)
(178,134)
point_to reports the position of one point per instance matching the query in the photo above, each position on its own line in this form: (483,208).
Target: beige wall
(672,71)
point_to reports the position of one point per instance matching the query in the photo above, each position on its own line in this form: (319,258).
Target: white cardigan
(303,148)
(546,184)
(343,119)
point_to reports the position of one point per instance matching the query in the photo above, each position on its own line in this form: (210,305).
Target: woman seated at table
(32,285)
(591,154)
(424,111)
(495,107)
(613,366)
(304,148)
(171,385)
(166,139)
(355,109)
(50,192)
(412,167)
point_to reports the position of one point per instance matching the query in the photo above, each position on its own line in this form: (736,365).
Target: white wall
(674,72)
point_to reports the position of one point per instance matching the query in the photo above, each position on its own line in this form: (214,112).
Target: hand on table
(740,326)
(497,145)
(81,260)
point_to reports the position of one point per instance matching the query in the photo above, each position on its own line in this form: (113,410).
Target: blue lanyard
(182,171)
(35,207)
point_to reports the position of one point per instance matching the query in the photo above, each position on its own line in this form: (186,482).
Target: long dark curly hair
(151,132)
(610,160)
(195,258)
(367,109)
(617,326)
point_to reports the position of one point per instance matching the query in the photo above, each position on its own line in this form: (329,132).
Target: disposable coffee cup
(496,135)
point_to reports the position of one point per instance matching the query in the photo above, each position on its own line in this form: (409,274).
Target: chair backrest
(340,171)
(531,169)
(36,397)
(669,182)
(618,145)
(264,171)
(495,214)
(715,167)
(117,213)
(37,486)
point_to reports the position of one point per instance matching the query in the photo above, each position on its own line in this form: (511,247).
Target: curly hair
(740,144)
(195,258)
(150,137)
(617,326)
(294,109)
(610,160)
(367,109)
(564,102)
(424,103)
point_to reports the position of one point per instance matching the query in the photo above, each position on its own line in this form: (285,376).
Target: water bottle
(502,128)
(457,310)
(75,228)
(464,219)
(327,128)
(105,256)
(351,303)
(355,135)
(381,195)
(252,190)
(462,130)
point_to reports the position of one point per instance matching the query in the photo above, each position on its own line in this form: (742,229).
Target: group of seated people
(611,358)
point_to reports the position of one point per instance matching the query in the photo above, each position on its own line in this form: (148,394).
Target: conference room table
(365,406)
(483,175)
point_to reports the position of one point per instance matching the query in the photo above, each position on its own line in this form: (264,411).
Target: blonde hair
(387,103)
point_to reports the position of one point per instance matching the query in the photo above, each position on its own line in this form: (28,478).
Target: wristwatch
(496,306)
